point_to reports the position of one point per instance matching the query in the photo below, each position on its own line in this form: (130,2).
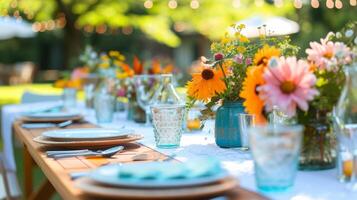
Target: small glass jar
(104,105)
(69,98)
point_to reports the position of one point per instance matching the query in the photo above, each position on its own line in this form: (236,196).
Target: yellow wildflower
(241,26)
(242,38)
(104,65)
(121,75)
(114,53)
(225,40)
(121,57)
(104,57)
(214,46)
(241,49)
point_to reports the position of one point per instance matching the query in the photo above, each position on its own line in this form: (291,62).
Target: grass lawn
(38,176)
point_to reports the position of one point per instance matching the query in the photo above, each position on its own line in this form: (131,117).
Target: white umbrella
(11,27)
(274,26)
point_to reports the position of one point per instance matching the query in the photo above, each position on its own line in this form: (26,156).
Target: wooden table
(57,171)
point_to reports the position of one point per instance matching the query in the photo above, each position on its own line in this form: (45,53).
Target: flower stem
(224,74)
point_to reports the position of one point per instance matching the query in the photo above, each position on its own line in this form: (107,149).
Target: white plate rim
(52,115)
(119,133)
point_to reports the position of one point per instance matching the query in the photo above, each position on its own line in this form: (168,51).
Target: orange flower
(206,84)
(137,65)
(60,83)
(313,67)
(253,104)
(156,67)
(126,68)
(264,54)
(168,69)
(76,83)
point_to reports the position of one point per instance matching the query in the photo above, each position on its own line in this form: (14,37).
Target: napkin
(170,170)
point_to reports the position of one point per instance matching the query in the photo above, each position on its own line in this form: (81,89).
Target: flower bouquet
(305,91)
(223,80)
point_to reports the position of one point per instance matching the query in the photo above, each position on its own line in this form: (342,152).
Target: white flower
(330,35)
(349,33)
(355,41)
(338,35)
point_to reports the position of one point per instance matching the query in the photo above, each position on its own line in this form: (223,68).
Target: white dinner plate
(87,133)
(52,115)
(110,175)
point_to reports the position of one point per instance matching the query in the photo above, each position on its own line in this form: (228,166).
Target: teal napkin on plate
(195,168)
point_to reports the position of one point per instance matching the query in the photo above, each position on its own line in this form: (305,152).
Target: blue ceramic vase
(227,130)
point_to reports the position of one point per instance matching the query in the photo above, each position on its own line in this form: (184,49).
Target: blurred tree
(158,19)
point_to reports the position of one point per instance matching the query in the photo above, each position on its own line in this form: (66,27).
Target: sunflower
(206,84)
(253,104)
(264,54)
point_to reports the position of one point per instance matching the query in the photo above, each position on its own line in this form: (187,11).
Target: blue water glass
(168,124)
(104,107)
(275,150)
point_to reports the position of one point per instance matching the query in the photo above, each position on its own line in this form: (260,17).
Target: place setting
(86,137)
(55,117)
(158,180)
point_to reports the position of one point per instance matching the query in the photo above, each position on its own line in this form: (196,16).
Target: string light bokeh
(60,21)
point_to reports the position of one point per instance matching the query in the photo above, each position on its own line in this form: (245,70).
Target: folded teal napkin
(171,170)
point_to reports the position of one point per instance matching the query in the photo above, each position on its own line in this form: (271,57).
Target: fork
(47,125)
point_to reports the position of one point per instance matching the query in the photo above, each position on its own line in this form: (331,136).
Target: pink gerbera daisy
(289,84)
(327,54)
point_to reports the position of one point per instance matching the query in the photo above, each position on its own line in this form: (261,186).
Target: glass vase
(319,144)
(227,128)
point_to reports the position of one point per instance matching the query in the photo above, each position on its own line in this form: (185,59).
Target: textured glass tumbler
(104,108)
(275,151)
(69,98)
(168,124)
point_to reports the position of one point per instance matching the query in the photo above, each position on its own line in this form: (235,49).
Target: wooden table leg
(28,179)
(45,191)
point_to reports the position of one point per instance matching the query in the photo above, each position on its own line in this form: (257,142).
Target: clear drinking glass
(245,122)
(104,107)
(146,86)
(69,97)
(89,95)
(275,150)
(345,125)
(345,163)
(168,124)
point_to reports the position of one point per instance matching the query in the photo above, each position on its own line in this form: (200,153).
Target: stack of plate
(98,137)
(158,180)
(58,116)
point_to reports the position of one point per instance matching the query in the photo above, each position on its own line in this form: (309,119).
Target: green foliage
(210,19)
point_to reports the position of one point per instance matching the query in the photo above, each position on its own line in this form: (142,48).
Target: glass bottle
(166,93)
(345,124)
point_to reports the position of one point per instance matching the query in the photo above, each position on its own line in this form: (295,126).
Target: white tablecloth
(308,185)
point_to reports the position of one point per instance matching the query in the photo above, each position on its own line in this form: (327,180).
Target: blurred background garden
(172,31)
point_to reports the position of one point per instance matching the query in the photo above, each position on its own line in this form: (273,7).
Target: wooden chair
(11,187)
